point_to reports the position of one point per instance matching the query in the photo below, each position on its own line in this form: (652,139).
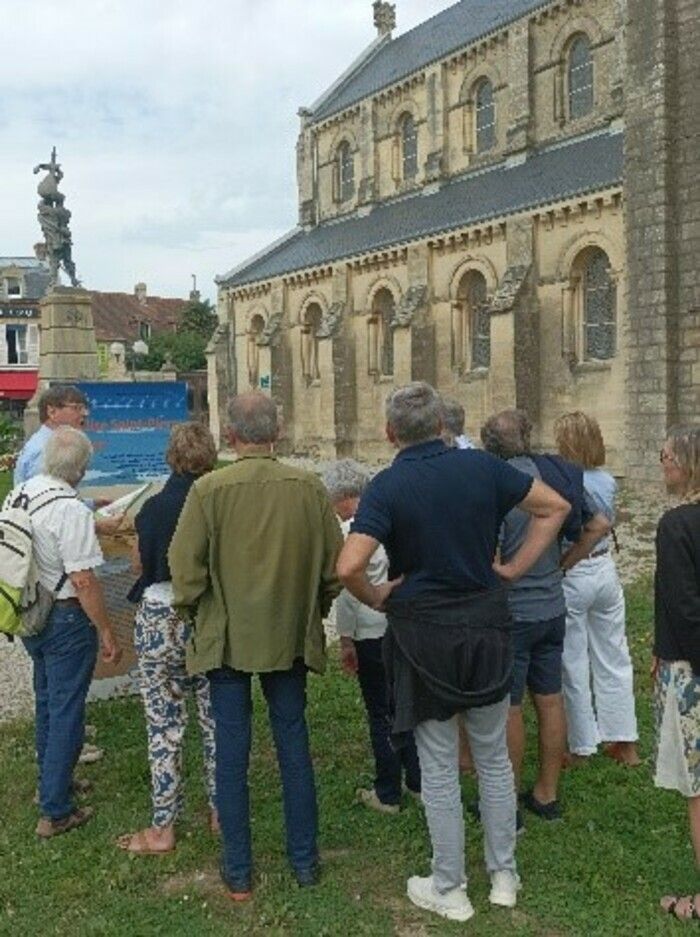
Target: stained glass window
(598,307)
(580,78)
(485,111)
(346,172)
(409,147)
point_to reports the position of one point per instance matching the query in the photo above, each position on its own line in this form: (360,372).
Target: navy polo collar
(423,450)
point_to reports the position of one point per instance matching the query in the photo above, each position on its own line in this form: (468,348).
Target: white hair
(414,412)
(345,479)
(67,454)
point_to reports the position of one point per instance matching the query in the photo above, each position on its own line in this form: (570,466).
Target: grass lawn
(601,872)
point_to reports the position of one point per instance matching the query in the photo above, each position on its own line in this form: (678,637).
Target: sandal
(683,908)
(139,845)
(47,827)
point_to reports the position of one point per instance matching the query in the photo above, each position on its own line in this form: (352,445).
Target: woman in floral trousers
(160,636)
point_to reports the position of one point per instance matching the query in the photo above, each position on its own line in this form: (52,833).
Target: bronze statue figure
(54,219)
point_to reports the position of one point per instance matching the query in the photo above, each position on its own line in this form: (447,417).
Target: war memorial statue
(54,219)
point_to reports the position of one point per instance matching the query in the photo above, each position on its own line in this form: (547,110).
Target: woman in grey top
(595,645)
(361,631)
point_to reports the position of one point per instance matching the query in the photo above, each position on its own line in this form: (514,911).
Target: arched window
(471,341)
(484,116)
(310,365)
(580,74)
(346,172)
(257,324)
(409,147)
(381,335)
(598,301)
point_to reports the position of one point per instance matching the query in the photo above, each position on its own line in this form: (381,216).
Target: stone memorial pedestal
(67,346)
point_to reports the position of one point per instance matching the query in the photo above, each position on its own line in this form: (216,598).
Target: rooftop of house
(119,316)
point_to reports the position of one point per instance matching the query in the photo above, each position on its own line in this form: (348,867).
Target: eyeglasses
(665,457)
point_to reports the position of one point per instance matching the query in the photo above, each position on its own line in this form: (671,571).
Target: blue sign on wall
(129,426)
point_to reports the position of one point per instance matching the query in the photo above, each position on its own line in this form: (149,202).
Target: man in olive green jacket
(253,561)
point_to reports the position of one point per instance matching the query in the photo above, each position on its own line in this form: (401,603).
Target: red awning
(18,385)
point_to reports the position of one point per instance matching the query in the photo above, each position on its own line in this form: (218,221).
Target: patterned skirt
(677,710)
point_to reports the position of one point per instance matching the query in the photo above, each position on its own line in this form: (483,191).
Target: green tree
(184,349)
(198,318)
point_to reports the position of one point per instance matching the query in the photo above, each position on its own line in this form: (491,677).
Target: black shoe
(475,811)
(307,878)
(550,811)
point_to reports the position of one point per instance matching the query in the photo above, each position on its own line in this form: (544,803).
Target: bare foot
(625,753)
(572,760)
(685,908)
(153,841)
(214,824)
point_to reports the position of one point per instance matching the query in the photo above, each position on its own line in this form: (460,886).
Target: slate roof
(584,165)
(36,275)
(453,29)
(117,316)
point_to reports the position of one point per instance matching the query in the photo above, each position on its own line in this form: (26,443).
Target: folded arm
(548,512)
(352,571)
(593,532)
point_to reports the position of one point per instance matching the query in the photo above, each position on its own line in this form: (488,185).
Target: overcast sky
(175,123)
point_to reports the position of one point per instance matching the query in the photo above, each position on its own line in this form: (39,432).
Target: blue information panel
(129,426)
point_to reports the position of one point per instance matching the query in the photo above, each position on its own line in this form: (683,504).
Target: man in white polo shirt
(63,654)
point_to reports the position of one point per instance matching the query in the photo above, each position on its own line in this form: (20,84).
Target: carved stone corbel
(331,321)
(411,304)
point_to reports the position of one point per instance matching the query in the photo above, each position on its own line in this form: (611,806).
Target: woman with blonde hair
(676,662)
(595,644)
(160,636)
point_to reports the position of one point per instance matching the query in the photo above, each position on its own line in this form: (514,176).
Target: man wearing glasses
(62,405)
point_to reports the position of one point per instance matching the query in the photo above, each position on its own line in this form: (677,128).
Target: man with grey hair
(253,560)
(437,511)
(64,652)
(538,608)
(361,631)
(453,418)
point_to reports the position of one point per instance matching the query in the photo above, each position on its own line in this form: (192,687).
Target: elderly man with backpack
(537,605)
(49,535)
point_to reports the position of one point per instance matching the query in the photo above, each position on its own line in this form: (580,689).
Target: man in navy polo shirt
(437,511)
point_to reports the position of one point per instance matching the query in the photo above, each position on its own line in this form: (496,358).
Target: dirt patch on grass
(202,881)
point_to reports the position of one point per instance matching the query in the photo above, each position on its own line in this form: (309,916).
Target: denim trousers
(438,749)
(285,695)
(389,764)
(64,656)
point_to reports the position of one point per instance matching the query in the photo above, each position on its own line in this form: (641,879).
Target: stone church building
(503,202)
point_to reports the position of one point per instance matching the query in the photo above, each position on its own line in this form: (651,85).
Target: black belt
(71,601)
(592,556)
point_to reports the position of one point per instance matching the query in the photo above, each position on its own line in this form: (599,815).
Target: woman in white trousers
(597,668)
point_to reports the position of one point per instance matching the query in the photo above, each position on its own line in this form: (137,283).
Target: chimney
(384,17)
(141,293)
(194,292)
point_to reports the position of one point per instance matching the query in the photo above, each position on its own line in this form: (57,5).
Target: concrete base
(68,351)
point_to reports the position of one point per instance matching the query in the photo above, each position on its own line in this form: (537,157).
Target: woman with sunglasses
(676,662)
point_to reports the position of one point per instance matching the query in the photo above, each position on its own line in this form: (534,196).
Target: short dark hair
(58,395)
(507,434)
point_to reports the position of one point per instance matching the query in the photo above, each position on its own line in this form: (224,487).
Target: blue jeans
(64,656)
(388,763)
(285,694)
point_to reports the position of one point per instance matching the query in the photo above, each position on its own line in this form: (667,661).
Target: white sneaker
(504,889)
(453,905)
(368,797)
(90,754)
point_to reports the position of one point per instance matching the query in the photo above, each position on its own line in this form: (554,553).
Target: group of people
(461,576)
